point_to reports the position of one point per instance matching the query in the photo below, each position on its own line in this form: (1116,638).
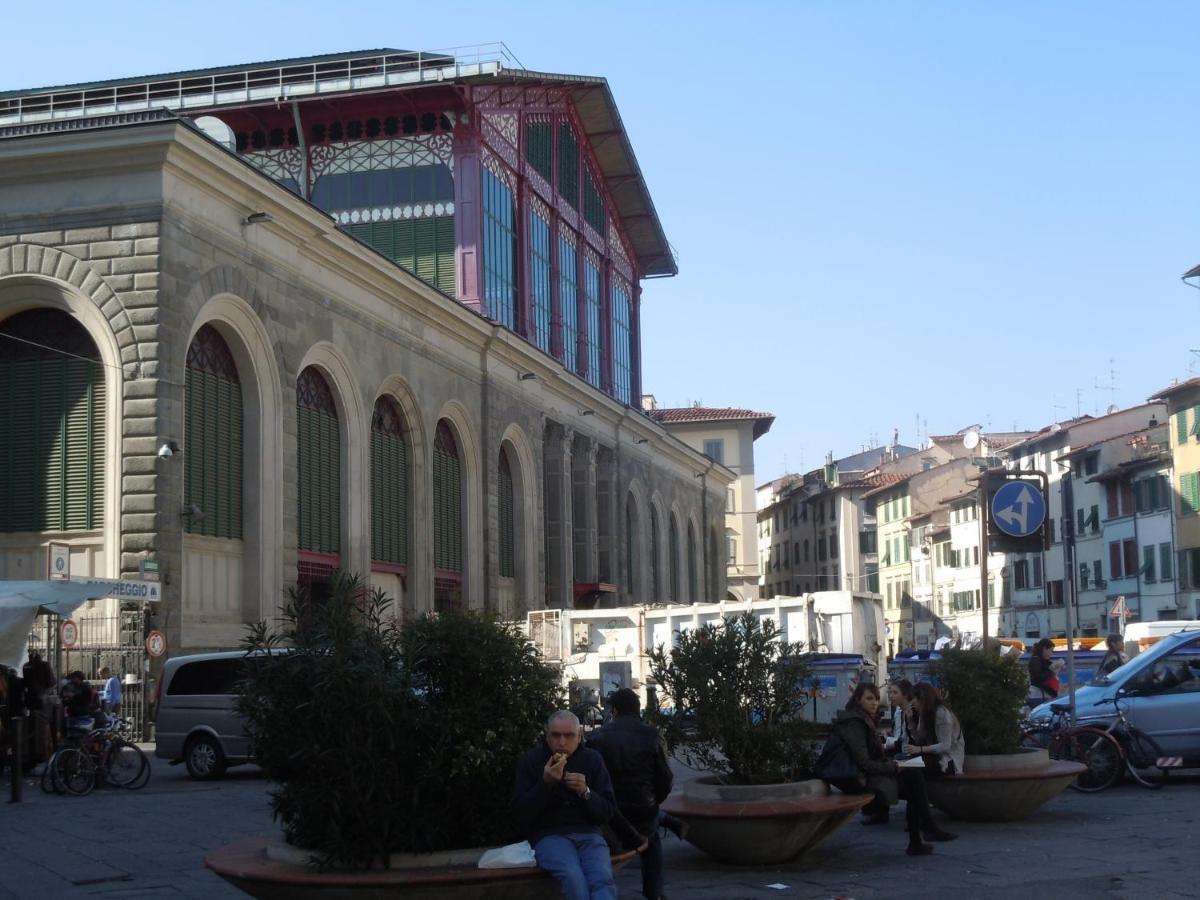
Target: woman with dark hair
(1114,657)
(938,737)
(900,698)
(855,729)
(1041,672)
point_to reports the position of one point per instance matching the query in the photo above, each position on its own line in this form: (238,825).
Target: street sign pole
(983,553)
(1067,494)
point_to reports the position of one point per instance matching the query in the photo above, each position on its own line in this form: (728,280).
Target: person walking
(110,694)
(855,731)
(562,799)
(636,759)
(1114,657)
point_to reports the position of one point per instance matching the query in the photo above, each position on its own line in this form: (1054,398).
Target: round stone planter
(267,868)
(1002,788)
(760,824)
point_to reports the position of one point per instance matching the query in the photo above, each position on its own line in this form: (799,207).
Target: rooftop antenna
(1195,360)
(1111,387)
(1055,407)
(1078,402)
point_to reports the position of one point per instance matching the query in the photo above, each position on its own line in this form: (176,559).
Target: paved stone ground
(1124,843)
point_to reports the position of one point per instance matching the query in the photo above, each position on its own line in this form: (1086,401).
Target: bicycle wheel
(50,783)
(1096,749)
(1141,758)
(75,771)
(124,763)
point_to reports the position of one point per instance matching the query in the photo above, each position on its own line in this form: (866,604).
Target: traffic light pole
(983,554)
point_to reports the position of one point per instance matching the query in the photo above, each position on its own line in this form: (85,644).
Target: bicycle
(92,754)
(1091,745)
(1141,753)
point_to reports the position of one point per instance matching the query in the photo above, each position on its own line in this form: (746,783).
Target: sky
(913,216)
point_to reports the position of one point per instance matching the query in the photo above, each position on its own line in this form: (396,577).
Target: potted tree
(391,751)
(738,692)
(1000,781)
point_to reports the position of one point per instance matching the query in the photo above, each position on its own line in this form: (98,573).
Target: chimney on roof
(649,404)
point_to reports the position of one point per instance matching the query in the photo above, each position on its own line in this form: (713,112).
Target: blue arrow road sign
(1018,508)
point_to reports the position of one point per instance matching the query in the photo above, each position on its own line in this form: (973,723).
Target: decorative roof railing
(277,82)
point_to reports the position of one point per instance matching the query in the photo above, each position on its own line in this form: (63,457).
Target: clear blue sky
(955,212)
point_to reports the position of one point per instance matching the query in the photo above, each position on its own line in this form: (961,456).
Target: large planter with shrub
(738,693)
(1000,781)
(380,741)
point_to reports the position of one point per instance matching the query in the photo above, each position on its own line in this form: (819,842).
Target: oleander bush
(987,693)
(379,739)
(738,693)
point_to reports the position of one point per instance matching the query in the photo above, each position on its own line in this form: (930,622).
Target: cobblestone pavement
(1124,843)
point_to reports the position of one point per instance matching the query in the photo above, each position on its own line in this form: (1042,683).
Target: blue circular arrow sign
(1018,508)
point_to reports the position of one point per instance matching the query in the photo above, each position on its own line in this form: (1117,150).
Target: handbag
(836,765)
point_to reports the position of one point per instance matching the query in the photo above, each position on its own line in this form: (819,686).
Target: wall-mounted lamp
(192,511)
(587,412)
(529,376)
(168,449)
(698,475)
(258,218)
(642,441)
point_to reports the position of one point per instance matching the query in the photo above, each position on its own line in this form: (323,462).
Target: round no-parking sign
(156,644)
(68,633)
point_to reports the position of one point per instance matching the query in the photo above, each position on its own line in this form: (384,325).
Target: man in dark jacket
(636,758)
(562,799)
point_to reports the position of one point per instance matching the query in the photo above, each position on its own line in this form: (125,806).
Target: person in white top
(938,733)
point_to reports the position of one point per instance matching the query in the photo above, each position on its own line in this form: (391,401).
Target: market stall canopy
(21,601)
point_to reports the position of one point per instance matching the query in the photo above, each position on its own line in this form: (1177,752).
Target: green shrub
(378,740)
(987,693)
(739,693)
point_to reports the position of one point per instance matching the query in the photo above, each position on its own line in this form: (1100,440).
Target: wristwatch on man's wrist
(587,793)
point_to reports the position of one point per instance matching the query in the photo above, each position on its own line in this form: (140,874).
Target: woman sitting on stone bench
(939,736)
(855,735)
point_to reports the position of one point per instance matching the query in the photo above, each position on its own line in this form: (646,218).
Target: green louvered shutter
(389,485)
(447,502)
(445,254)
(673,562)
(52,416)
(212,438)
(1181,427)
(318,465)
(508,563)
(568,165)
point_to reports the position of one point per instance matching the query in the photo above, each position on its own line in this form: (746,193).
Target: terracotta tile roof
(881,481)
(998,439)
(679,415)
(1177,388)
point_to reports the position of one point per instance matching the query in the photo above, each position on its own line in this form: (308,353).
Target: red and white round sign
(156,643)
(68,633)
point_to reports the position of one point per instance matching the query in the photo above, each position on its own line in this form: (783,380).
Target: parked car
(196,722)
(1160,693)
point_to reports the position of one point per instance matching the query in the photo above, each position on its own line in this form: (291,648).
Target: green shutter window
(1164,562)
(1189,489)
(568,165)
(1181,427)
(539,151)
(389,484)
(1195,429)
(507,519)
(593,203)
(693,591)
(630,542)
(673,557)
(499,250)
(318,465)
(52,416)
(654,575)
(424,246)
(1148,556)
(212,438)
(447,502)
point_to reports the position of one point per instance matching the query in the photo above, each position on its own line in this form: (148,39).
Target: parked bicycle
(90,756)
(1107,750)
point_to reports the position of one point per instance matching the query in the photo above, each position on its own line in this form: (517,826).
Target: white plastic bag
(514,856)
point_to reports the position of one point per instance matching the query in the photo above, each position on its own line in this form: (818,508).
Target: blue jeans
(580,862)
(651,862)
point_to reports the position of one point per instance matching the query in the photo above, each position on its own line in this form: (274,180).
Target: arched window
(447,519)
(318,475)
(51,424)
(389,487)
(655,582)
(507,519)
(630,544)
(693,589)
(673,556)
(212,438)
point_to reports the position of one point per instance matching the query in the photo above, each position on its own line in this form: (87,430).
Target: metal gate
(117,642)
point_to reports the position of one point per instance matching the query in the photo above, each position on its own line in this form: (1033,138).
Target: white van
(196,722)
(1140,635)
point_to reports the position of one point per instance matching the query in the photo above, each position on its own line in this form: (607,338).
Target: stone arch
(22,292)
(456,415)
(523,463)
(49,264)
(352,429)
(262,401)
(634,551)
(693,556)
(656,541)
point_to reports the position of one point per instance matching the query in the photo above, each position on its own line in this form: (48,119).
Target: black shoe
(938,834)
(919,849)
(879,818)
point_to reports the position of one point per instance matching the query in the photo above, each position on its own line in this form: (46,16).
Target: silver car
(197,723)
(1160,694)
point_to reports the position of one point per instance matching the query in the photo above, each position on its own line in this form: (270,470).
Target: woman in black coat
(856,730)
